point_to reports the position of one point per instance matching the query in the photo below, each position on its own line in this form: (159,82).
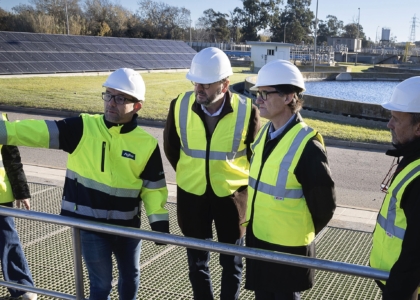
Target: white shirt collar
(217,112)
(275,133)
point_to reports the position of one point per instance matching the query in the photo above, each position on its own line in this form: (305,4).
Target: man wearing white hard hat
(207,140)
(291,195)
(112,166)
(396,239)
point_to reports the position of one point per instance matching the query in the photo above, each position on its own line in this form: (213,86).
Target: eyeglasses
(263,94)
(385,183)
(119,99)
(205,86)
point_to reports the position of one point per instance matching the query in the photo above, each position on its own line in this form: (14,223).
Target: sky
(397,15)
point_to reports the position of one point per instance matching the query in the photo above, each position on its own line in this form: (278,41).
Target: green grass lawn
(82,94)
(356,69)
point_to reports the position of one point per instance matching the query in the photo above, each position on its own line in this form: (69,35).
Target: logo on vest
(278,198)
(389,234)
(128,155)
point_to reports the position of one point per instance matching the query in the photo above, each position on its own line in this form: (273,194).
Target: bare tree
(161,20)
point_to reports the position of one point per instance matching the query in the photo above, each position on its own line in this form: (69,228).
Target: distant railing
(265,255)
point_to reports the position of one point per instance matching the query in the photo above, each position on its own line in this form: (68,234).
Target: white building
(264,52)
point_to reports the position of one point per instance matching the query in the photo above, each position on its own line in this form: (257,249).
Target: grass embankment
(82,94)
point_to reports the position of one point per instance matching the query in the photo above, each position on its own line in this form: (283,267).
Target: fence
(77,224)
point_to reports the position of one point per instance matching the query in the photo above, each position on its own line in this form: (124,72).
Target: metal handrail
(164,238)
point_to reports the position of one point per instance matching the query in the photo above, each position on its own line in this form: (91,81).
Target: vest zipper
(103,156)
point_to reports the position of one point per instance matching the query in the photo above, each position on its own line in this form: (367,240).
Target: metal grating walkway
(164,268)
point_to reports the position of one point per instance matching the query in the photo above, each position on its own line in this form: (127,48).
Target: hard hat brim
(399,107)
(254,88)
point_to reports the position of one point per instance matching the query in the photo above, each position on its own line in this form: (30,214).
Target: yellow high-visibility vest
(275,197)
(391,222)
(223,159)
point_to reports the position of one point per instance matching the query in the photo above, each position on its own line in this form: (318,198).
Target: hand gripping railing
(265,255)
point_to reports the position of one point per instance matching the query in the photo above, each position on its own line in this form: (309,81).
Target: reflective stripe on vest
(104,188)
(391,222)
(280,187)
(275,197)
(54,135)
(220,161)
(30,133)
(214,155)
(87,211)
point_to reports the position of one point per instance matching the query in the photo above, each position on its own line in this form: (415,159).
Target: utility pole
(67,17)
(316,25)
(190,32)
(358,24)
(284,37)
(357,37)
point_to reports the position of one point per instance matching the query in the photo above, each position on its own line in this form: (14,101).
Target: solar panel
(44,67)
(28,68)
(10,68)
(12,57)
(46,53)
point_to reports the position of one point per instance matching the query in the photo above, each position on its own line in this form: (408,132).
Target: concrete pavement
(344,216)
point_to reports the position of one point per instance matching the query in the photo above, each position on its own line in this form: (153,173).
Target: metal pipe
(78,268)
(265,255)
(35,290)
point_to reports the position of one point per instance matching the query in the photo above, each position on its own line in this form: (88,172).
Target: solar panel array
(23,53)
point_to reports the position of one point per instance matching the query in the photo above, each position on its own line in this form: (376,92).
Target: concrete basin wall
(331,105)
(346,108)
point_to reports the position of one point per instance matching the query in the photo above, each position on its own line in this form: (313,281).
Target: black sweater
(14,170)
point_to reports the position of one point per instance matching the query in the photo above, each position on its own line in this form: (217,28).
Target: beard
(205,100)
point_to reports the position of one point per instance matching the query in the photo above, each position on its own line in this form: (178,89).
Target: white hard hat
(406,96)
(279,72)
(127,81)
(209,65)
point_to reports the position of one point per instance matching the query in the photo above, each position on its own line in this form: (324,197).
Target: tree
(329,28)
(335,26)
(216,24)
(235,26)
(55,12)
(296,19)
(254,16)
(161,20)
(353,31)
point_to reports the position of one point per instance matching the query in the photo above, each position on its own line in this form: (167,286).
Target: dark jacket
(14,170)
(405,274)
(313,173)
(172,146)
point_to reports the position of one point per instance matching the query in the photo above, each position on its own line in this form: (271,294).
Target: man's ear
(225,86)
(417,130)
(137,106)
(289,98)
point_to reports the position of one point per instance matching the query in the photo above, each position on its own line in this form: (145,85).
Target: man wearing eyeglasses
(396,239)
(291,195)
(207,141)
(112,166)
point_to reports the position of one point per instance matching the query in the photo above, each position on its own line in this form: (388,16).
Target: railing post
(78,269)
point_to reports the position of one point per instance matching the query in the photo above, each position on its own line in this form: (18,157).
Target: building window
(270,52)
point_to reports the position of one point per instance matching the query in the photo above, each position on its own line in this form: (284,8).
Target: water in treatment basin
(375,92)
